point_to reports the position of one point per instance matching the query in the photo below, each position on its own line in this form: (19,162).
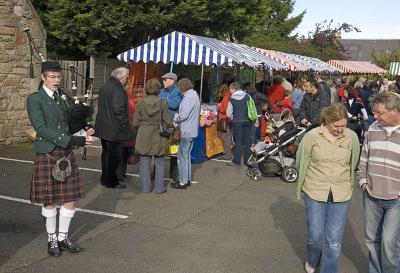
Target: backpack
(251,110)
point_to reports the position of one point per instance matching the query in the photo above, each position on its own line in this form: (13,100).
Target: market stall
(182,48)
(297,62)
(356,67)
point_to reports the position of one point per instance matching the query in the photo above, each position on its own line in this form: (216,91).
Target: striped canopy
(313,64)
(394,68)
(292,65)
(297,62)
(179,47)
(356,67)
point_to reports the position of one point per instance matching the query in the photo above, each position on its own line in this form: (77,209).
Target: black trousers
(111,157)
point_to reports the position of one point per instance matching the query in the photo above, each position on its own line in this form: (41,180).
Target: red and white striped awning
(356,67)
(292,65)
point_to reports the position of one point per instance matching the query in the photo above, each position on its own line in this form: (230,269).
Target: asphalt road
(223,223)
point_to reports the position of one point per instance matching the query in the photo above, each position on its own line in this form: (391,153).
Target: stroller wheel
(289,174)
(249,172)
(256,175)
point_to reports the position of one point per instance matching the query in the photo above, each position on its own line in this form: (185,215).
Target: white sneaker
(308,268)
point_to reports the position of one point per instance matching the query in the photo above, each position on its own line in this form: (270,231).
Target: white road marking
(80,168)
(214,159)
(114,215)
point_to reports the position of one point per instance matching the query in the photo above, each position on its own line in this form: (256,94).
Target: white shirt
(48,91)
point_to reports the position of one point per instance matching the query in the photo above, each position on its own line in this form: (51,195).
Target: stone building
(15,81)
(362,49)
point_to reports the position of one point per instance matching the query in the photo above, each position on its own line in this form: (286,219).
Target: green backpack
(251,110)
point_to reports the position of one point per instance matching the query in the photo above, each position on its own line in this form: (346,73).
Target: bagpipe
(80,108)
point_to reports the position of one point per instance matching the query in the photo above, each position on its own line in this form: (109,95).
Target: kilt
(46,190)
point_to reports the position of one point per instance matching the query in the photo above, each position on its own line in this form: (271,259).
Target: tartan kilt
(45,189)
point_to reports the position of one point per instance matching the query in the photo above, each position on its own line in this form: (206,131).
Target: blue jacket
(173,97)
(188,115)
(237,107)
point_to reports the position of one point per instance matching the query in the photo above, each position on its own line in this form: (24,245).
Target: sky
(377,19)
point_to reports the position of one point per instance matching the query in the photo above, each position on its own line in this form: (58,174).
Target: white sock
(63,222)
(51,222)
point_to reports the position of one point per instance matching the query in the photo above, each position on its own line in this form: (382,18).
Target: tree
(326,39)
(384,59)
(97,27)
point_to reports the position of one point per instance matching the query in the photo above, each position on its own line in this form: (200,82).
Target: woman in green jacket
(149,144)
(326,159)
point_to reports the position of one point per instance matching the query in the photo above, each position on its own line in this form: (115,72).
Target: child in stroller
(275,156)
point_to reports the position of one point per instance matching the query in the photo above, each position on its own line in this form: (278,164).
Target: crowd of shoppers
(327,157)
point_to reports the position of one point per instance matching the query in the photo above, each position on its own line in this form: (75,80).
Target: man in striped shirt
(379,178)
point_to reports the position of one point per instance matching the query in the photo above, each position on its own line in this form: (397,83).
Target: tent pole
(145,76)
(171,67)
(201,81)
(263,88)
(145,69)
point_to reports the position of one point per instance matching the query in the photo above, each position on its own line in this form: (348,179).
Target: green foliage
(79,28)
(324,43)
(384,59)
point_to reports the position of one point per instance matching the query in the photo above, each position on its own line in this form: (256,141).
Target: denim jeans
(242,137)
(256,131)
(325,227)
(382,234)
(145,173)
(184,164)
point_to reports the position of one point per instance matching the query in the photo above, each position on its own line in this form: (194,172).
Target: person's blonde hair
(333,113)
(358,84)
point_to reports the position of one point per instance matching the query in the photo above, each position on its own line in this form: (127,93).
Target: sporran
(61,170)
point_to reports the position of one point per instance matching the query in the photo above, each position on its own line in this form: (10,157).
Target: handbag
(133,159)
(162,130)
(251,110)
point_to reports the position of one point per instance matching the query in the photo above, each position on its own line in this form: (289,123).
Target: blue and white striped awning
(314,64)
(178,47)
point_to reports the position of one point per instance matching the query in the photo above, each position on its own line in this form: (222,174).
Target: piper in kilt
(48,114)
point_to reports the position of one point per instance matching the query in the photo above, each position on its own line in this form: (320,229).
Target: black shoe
(118,186)
(68,245)
(53,249)
(179,186)
(189,183)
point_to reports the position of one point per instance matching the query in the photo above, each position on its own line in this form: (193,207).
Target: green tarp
(394,68)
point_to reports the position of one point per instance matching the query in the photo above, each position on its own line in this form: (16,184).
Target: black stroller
(276,156)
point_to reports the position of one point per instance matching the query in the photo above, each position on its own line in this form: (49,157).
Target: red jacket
(223,105)
(285,103)
(276,93)
(131,107)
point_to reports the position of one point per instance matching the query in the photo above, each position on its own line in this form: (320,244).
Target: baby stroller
(276,155)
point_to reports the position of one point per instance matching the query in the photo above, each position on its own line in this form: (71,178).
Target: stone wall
(15,82)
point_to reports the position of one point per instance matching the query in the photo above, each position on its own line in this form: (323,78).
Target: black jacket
(112,119)
(311,106)
(259,99)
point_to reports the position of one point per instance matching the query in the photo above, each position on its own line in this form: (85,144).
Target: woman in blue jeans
(326,159)
(188,120)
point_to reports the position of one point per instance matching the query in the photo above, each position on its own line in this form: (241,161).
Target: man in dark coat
(55,178)
(113,126)
(312,104)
